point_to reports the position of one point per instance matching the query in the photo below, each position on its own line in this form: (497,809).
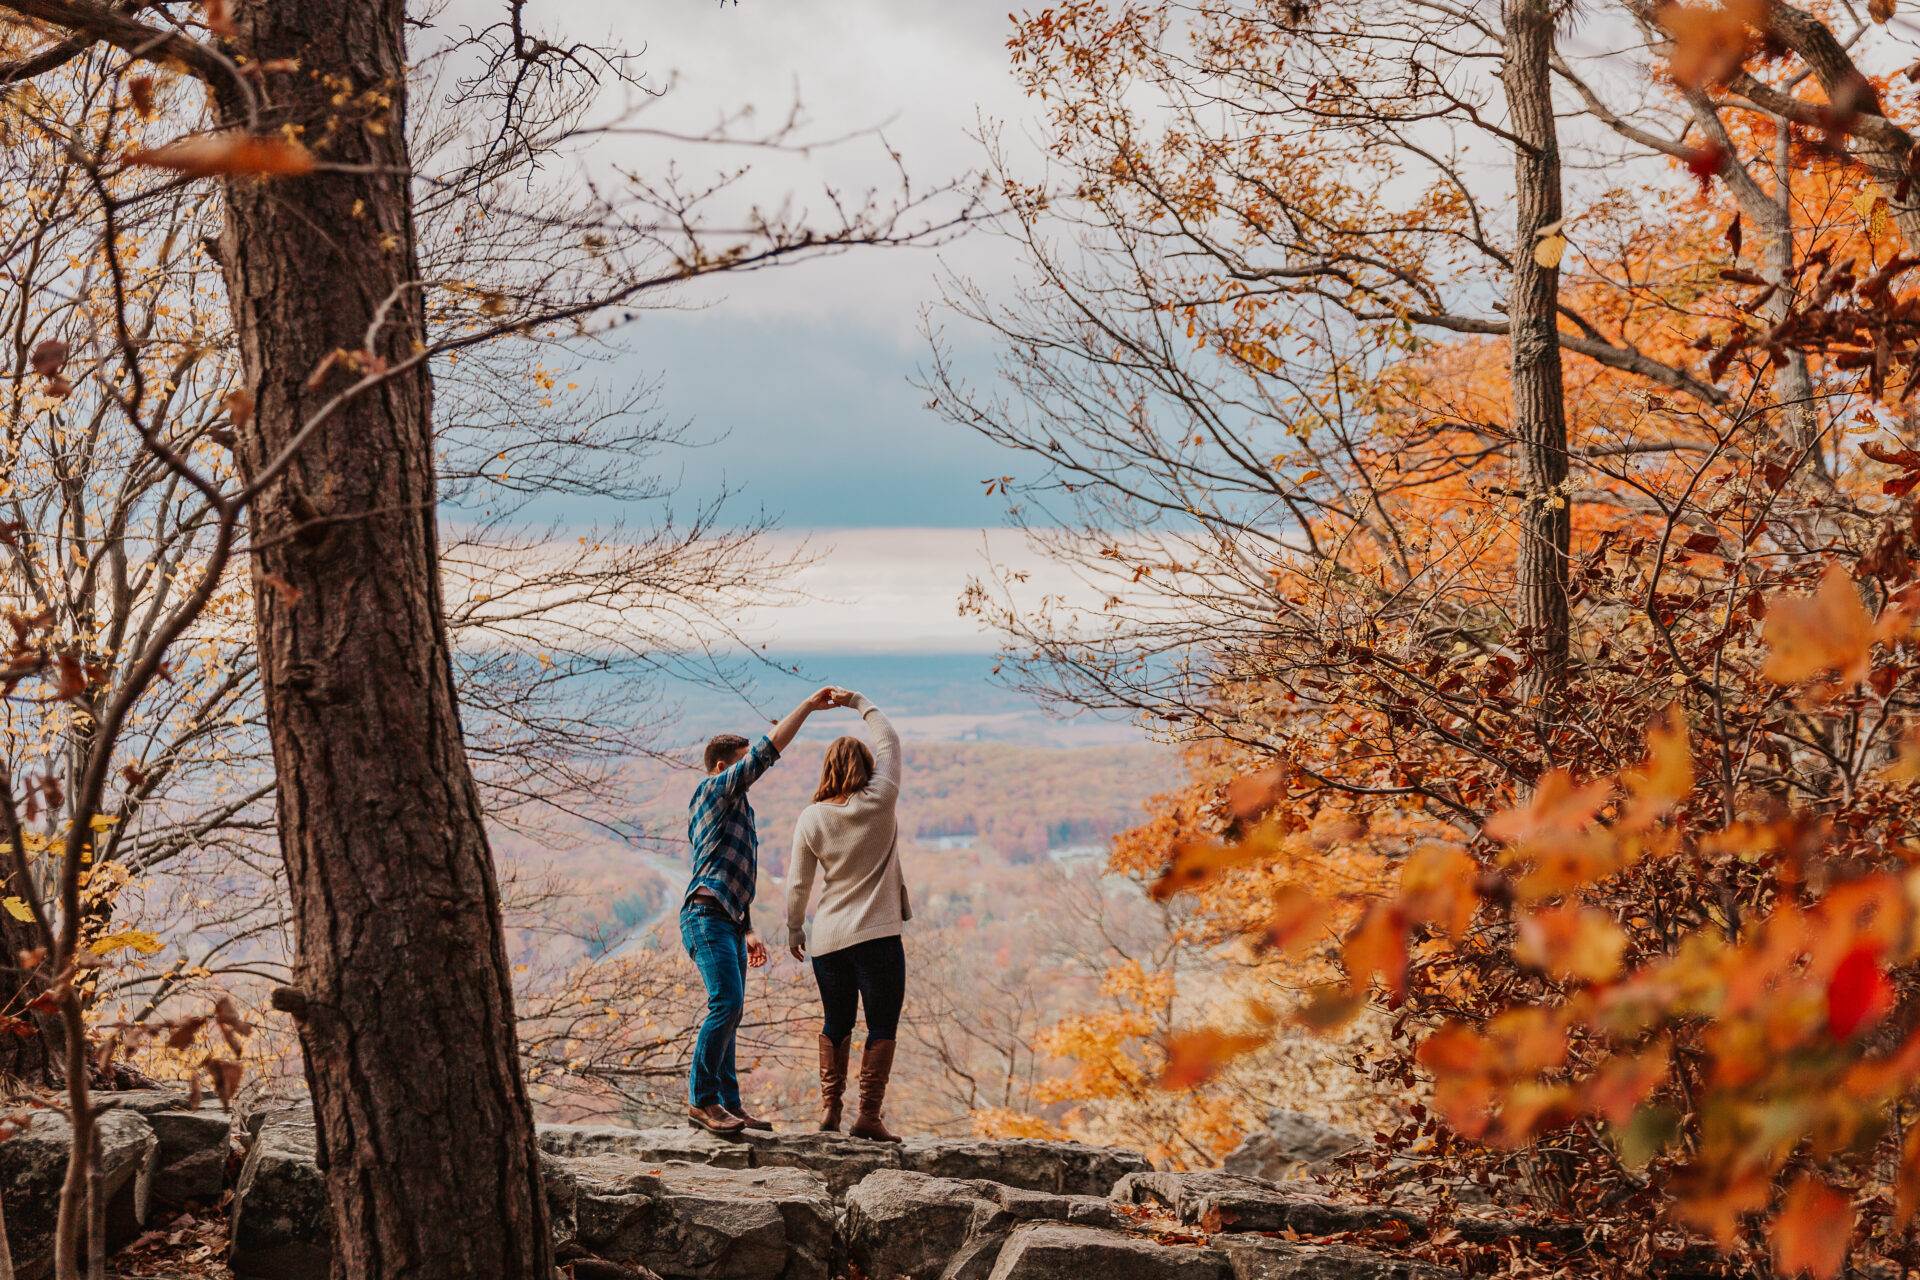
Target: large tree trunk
(402,985)
(1539,419)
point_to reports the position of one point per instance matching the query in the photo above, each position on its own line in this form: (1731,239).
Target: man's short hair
(723,747)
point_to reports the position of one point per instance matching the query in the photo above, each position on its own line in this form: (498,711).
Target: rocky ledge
(686,1205)
(630,1204)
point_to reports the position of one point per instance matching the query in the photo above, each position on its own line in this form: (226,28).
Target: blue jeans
(718,944)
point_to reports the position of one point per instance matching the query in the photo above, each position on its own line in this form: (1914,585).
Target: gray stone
(143,1101)
(840,1160)
(33,1165)
(193,1154)
(913,1224)
(1061,1251)
(1213,1201)
(1064,1168)
(1265,1258)
(279,1226)
(700,1222)
(1291,1141)
(252,1122)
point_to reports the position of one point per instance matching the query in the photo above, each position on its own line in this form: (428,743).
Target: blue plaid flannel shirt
(726,849)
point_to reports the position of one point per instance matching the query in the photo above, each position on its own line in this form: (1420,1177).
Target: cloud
(898,591)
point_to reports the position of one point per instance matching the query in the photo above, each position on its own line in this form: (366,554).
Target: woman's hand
(844,697)
(756,951)
(798,952)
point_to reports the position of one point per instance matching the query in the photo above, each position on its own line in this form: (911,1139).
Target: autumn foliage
(1628,876)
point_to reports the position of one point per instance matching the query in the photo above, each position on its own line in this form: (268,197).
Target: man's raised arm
(783,732)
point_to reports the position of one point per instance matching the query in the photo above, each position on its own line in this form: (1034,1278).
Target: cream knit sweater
(855,847)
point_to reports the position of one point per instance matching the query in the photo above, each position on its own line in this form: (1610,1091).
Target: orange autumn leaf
(1556,808)
(1709,41)
(1196,862)
(1907,1182)
(1194,1057)
(1718,1209)
(1623,1084)
(1438,884)
(1529,1039)
(1295,919)
(1452,1050)
(1533,1107)
(1828,631)
(1664,778)
(1378,946)
(1811,1231)
(228,154)
(1252,795)
(1572,942)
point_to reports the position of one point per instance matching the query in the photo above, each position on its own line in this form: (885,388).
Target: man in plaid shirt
(716,917)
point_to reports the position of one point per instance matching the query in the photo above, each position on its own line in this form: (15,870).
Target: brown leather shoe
(833,1081)
(876,1067)
(714,1119)
(749,1121)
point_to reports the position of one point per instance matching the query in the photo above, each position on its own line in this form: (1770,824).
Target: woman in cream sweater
(847,834)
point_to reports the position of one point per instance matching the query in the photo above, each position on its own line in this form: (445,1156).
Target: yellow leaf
(135,939)
(18,908)
(1549,251)
(101,821)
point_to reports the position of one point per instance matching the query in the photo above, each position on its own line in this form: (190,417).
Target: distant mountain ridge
(931,697)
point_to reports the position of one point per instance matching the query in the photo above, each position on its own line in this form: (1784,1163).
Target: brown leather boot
(833,1081)
(876,1066)
(714,1119)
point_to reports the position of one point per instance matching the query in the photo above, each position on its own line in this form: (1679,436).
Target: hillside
(1018,802)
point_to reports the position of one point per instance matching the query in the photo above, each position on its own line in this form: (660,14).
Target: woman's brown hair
(848,767)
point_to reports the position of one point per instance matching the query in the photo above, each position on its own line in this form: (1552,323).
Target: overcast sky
(804,374)
(806,370)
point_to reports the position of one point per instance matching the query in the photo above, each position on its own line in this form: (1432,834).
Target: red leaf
(1858,994)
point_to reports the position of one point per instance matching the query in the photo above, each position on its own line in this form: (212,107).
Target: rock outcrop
(1291,1142)
(687,1205)
(33,1164)
(1215,1201)
(279,1221)
(1062,1251)
(913,1224)
(1062,1168)
(688,1220)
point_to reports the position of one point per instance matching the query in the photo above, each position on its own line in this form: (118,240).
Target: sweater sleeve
(886,744)
(800,868)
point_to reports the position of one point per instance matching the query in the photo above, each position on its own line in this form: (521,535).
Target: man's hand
(756,951)
(783,732)
(798,952)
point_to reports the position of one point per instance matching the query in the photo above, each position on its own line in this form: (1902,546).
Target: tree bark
(406,1008)
(1539,418)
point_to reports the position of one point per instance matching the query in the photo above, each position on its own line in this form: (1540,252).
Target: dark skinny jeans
(871,974)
